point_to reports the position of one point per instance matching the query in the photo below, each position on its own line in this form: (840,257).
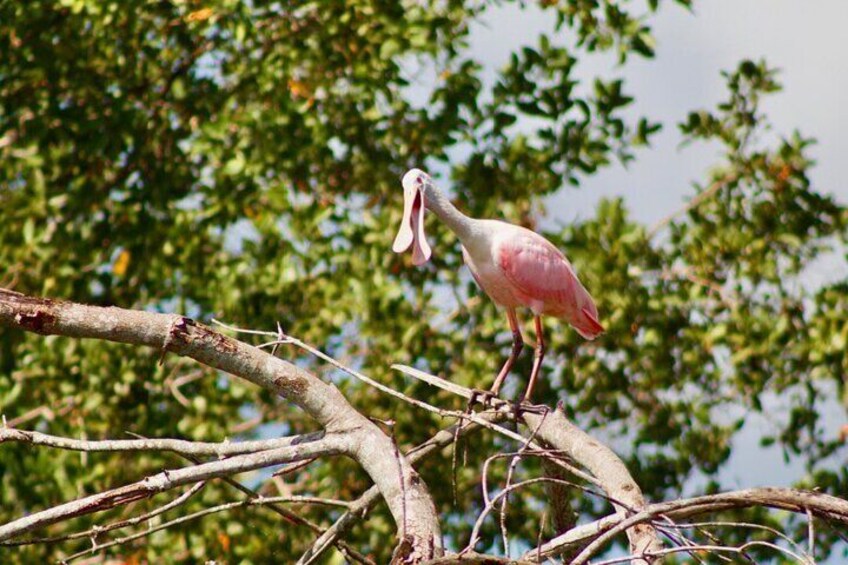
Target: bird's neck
(459,223)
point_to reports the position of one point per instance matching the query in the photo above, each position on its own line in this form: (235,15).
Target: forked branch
(403,490)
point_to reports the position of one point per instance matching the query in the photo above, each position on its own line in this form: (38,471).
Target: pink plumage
(515,266)
(544,281)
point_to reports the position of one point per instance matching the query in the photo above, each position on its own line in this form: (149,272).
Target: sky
(805,40)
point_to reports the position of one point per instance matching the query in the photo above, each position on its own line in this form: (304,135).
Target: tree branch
(604,530)
(497,404)
(399,484)
(716,186)
(360,507)
(605,468)
(97,531)
(556,430)
(182,447)
(475,559)
(205,512)
(332,444)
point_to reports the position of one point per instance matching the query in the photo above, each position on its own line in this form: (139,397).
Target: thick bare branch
(557,431)
(399,484)
(183,447)
(360,507)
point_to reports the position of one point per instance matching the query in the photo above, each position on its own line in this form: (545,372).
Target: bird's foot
(524,406)
(482,397)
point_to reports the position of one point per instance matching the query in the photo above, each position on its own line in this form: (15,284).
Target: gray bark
(409,501)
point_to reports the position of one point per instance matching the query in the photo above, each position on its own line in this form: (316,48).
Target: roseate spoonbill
(513,265)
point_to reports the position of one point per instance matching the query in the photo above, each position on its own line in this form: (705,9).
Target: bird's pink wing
(537,269)
(542,276)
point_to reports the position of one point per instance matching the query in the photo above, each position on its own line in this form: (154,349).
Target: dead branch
(362,505)
(475,559)
(557,431)
(364,441)
(605,468)
(98,531)
(602,531)
(714,188)
(347,432)
(182,447)
(206,512)
(329,445)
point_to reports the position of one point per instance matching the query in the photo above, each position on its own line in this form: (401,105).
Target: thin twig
(727,524)
(475,532)
(174,385)
(454,466)
(205,512)
(49,412)
(692,204)
(666,527)
(512,465)
(294,467)
(811,537)
(717,548)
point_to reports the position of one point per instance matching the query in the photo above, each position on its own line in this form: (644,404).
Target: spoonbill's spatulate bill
(513,265)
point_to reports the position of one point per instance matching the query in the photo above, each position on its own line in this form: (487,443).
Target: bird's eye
(419,180)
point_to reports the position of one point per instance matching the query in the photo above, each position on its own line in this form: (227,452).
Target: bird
(516,267)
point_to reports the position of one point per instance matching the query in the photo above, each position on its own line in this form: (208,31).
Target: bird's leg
(538,355)
(517,345)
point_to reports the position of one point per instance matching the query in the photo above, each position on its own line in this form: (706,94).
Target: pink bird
(516,267)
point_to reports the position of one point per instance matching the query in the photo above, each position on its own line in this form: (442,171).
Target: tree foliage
(241,160)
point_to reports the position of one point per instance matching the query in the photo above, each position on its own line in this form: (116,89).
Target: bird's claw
(482,397)
(524,406)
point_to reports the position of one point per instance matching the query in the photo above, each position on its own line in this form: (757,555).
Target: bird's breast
(489,277)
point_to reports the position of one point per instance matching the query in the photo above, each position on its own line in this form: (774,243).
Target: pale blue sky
(804,39)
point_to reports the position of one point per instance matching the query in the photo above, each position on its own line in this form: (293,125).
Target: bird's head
(411,233)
